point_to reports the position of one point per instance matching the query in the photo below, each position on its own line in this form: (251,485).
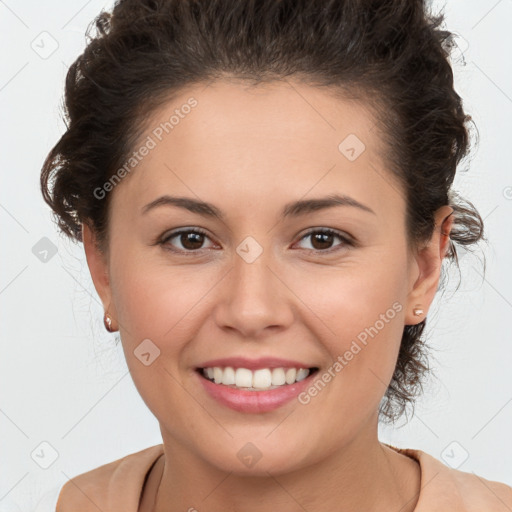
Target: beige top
(118,486)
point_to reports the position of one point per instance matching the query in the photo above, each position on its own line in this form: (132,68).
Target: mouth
(261,379)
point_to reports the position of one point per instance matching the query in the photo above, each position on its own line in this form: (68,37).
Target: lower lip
(254,401)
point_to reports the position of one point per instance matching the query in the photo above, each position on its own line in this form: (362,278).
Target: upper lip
(254,364)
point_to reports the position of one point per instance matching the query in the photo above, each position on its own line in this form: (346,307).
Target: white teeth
(264,378)
(228,376)
(278,377)
(291,373)
(243,378)
(217,375)
(301,374)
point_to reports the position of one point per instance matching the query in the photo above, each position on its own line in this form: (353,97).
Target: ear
(97,262)
(427,267)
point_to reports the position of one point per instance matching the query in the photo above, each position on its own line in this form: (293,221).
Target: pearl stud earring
(107,322)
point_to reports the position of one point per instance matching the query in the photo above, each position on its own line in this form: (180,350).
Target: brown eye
(190,240)
(322,240)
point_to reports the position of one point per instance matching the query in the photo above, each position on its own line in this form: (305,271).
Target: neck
(363,475)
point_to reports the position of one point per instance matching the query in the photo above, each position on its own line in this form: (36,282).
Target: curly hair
(391,54)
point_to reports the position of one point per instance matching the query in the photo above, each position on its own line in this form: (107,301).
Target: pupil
(190,238)
(321,237)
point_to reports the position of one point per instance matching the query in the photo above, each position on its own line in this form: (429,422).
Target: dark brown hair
(391,54)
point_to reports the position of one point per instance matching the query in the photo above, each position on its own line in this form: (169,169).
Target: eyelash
(326,231)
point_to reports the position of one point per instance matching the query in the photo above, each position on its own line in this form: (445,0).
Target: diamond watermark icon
(351,147)
(146,352)
(44,455)
(45,45)
(454,455)
(44,250)
(249,455)
(249,250)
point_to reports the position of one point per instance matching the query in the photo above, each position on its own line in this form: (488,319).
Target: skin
(250,151)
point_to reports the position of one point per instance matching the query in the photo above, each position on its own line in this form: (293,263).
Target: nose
(254,300)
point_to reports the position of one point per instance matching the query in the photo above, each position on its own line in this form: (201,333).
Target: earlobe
(429,260)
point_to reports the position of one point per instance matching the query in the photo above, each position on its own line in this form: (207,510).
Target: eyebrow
(294,209)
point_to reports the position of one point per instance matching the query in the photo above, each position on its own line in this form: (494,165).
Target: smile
(254,391)
(255,380)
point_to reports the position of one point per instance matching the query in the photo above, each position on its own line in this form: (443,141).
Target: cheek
(359,318)
(155,310)
(153,299)
(352,298)
(164,305)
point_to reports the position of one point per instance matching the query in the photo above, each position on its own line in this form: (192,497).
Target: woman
(263,191)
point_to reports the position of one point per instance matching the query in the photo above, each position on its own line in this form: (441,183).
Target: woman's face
(256,284)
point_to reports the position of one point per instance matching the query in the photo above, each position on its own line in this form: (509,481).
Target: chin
(255,458)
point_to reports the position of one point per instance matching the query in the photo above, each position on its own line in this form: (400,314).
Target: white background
(63,380)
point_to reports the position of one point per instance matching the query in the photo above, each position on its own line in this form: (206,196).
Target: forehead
(255,144)
(234,111)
